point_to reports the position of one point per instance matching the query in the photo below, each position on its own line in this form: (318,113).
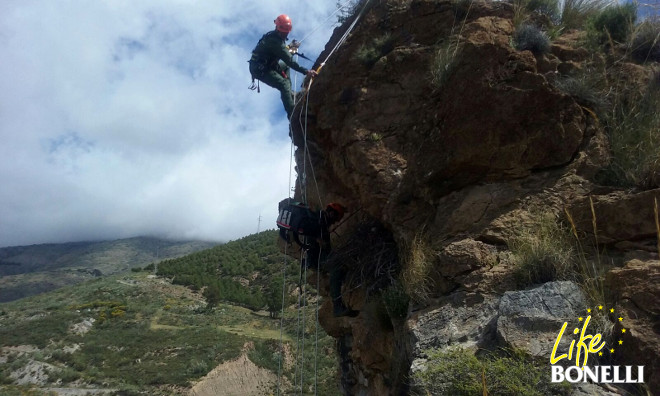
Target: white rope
(303,189)
(340,8)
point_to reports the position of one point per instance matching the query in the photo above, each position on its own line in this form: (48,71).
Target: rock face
(450,135)
(492,118)
(529,319)
(637,287)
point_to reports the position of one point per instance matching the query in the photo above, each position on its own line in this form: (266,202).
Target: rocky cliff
(442,137)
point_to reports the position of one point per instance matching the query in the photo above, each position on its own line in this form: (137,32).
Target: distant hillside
(136,333)
(29,270)
(246,271)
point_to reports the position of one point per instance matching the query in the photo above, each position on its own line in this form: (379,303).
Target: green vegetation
(633,128)
(615,98)
(415,278)
(459,372)
(575,13)
(444,62)
(307,357)
(613,24)
(369,54)
(396,301)
(37,269)
(549,249)
(242,272)
(645,44)
(544,252)
(531,38)
(14,390)
(586,88)
(137,333)
(556,16)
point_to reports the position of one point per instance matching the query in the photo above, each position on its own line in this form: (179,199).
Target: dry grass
(576,13)
(543,252)
(415,277)
(633,127)
(444,62)
(370,256)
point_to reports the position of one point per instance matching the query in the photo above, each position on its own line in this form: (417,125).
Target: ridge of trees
(246,272)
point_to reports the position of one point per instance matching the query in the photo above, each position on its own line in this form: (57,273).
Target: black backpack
(295,217)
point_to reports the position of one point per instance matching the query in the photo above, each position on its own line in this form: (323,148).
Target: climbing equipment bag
(292,216)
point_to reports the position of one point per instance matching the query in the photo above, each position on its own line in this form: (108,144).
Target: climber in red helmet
(271,60)
(314,227)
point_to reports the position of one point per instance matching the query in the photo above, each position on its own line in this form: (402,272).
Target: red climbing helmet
(337,208)
(283,23)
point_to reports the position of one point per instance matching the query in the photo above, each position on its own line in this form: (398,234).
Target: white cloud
(121,118)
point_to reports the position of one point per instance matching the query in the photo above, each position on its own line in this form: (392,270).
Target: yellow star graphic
(620,319)
(589,310)
(620,342)
(580,319)
(600,307)
(600,353)
(612,310)
(612,350)
(623,330)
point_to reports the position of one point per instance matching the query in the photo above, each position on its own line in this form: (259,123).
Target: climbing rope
(302,302)
(340,8)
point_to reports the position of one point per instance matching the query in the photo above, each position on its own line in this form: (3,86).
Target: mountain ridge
(32,269)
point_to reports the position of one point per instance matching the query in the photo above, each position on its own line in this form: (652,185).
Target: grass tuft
(645,43)
(543,253)
(530,38)
(576,13)
(415,277)
(586,88)
(633,128)
(613,24)
(444,62)
(459,372)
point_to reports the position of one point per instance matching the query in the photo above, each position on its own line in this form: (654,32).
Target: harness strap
(254,85)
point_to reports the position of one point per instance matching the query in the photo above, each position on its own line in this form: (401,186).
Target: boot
(339,309)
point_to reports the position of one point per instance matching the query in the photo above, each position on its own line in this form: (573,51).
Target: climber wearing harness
(298,220)
(271,60)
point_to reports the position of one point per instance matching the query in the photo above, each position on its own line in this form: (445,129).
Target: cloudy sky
(121,118)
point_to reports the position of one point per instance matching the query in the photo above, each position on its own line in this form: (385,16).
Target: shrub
(369,54)
(576,13)
(530,38)
(586,88)
(66,375)
(538,12)
(633,128)
(645,45)
(459,372)
(613,24)
(544,252)
(396,302)
(547,9)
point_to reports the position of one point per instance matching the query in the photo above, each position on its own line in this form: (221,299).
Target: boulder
(461,319)
(531,319)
